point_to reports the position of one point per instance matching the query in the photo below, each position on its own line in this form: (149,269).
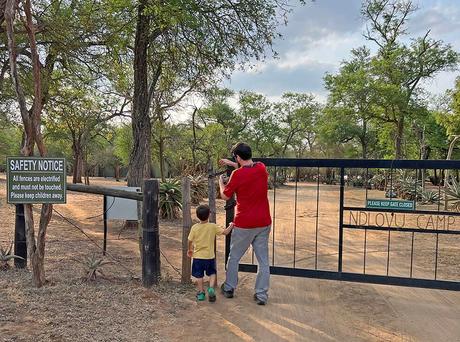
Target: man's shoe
(259,301)
(211,294)
(227,294)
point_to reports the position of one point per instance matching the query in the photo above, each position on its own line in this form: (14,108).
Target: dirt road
(299,309)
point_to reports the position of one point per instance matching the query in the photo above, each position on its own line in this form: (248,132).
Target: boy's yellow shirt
(203,235)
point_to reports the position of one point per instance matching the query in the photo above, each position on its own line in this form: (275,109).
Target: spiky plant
(409,187)
(92,266)
(170,199)
(428,197)
(378,181)
(453,194)
(6,256)
(198,188)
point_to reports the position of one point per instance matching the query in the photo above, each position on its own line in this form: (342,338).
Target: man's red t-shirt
(250,184)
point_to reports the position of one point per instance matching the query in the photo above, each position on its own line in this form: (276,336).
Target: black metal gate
(421,233)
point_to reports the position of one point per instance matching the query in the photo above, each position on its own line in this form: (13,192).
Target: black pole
(342,189)
(105,225)
(20,244)
(151,237)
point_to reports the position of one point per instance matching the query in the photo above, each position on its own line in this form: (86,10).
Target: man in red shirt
(252,222)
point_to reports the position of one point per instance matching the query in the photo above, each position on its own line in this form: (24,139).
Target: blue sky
(321,34)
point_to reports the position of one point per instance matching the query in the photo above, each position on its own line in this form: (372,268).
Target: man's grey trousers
(241,239)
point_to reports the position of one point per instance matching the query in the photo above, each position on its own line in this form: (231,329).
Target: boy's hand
(231,225)
(190,253)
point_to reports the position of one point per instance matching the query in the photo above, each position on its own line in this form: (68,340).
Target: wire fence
(115,256)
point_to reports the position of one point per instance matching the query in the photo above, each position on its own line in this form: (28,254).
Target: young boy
(201,238)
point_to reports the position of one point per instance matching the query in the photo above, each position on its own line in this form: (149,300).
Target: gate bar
(342,190)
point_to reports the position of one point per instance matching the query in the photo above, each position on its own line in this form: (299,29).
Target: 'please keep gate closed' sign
(36,180)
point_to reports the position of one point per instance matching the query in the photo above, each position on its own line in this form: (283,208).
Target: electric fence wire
(110,256)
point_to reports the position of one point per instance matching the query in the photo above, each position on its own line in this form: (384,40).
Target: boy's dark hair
(243,150)
(202,212)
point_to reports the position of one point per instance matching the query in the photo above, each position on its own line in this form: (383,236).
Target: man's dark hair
(202,212)
(243,150)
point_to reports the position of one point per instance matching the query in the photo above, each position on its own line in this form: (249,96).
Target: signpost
(36,180)
(390,204)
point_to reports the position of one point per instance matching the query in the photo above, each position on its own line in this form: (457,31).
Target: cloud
(320,35)
(276,80)
(442,19)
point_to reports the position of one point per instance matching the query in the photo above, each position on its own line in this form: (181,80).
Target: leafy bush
(170,199)
(6,256)
(358,182)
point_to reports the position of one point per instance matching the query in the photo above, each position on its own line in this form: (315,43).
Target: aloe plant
(378,181)
(409,187)
(198,188)
(92,266)
(453,194)
(170,199)
(6,256)
(429,197)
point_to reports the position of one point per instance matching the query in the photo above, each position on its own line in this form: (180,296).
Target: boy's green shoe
(211,294)
(200,296)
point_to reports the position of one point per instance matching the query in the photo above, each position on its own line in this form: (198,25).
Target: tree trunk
(32,134)
(161,146)
(399,138)
(194,145)
(77,163)
(364,142)
(117,172)
(139,161)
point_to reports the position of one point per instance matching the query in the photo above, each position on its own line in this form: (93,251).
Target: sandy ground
(118,308)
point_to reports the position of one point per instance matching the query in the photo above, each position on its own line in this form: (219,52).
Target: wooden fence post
(186,225)
(150,234)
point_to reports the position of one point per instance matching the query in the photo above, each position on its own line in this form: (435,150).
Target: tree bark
(161,146)
(399,138)
(139,161)
(117,172)
(32,135)
(77,162)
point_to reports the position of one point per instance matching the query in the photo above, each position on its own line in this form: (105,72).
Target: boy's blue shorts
(200,266)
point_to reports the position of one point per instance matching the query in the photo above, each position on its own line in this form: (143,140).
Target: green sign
(390,204)
(36,180)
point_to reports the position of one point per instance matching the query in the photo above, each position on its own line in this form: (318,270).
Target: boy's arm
(227,230)
(190,249)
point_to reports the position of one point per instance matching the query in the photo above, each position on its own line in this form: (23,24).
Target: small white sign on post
(122,208)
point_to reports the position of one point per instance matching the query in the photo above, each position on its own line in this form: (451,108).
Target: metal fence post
(20,244)
(342,190)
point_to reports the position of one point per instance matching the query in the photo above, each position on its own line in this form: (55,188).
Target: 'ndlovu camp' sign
(36,180)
